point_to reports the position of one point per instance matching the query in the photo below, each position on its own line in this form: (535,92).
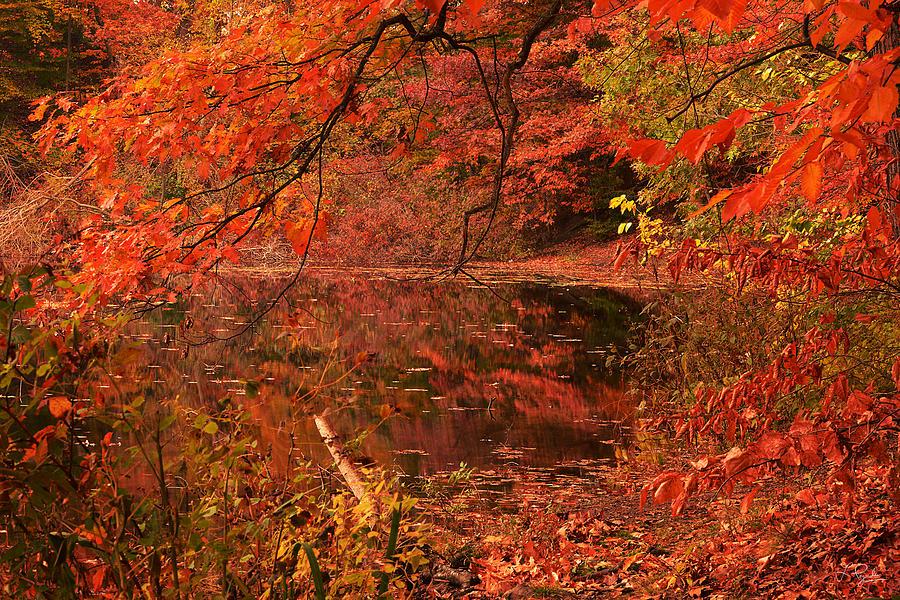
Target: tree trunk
(890,204)
(348,470)
(68,51)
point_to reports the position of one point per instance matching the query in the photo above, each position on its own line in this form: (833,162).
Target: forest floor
(587,262)
(581,539)
(588,538)
(580,261)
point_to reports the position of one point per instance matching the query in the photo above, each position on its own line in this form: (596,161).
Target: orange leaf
(816,36)
(721,9)
(847,32)
(786,161)
(811,181)
(872,38)
(882,104)
(715,200)
(855,11)
(668,490)
(734,16)
(620,259)
(59,406)
(38,112)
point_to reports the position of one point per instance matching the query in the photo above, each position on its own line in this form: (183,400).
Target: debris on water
(444,358)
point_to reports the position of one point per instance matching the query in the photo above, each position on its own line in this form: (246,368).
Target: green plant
(109,486)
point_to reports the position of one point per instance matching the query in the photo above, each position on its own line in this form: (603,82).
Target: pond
(456,371)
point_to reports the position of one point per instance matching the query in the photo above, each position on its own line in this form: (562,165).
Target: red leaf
(845,478)
(791,457)
(748,500)
(806,497)
(816,36)
(895,373)
(694,143)
(475,5)
(231,254)
(831,446)
(772,445)
(434,5)
(600,7)
(840,387)
(650,152)
(736,461)
(873,217)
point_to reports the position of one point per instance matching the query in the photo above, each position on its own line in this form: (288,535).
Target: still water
(490,375)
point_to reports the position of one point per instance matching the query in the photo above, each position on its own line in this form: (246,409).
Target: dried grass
(33,212)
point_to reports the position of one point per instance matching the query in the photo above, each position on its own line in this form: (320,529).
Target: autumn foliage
(753,142)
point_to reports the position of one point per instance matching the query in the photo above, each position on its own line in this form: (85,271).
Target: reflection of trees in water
(426,349)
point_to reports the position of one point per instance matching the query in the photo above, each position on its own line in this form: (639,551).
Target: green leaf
(25,302)
(316,573)
(391,550)
(166,422)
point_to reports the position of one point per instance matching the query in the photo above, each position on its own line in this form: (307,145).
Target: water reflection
(465,375)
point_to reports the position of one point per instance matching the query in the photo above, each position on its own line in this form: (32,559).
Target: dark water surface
(513,374)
